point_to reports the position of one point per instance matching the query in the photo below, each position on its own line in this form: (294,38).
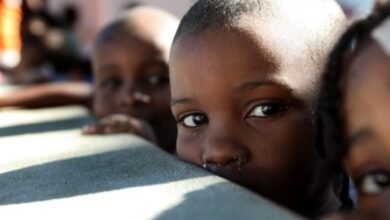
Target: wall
(96,13)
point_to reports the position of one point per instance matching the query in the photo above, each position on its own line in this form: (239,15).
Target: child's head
(130,65)
(355,104)
(244,77)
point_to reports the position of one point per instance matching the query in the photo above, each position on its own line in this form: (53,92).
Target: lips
(244,175)
(233,172)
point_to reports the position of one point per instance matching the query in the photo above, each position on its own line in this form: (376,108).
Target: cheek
(381,124)
(370,106)
(188,150)
(372,203)
(103,105)
(161,100)
(286,143)
(284,152)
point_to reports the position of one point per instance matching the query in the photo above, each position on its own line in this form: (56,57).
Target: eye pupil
(266,110)
(198,119)
(112,83)
(194,120)
(375,182)
(153,80)
(158,80)
(270,109)
(382,179)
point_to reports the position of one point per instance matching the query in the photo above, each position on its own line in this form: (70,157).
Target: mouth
(243,175)
(232,172)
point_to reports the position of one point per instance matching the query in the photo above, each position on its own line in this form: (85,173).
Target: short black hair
(113,31)
(331,120)
(117,29)
(126,26)
(225,15)
(205,14)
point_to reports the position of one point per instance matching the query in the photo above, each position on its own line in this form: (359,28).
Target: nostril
(238,160)
(235,163)
(138,96)
(208,165)
(220,151)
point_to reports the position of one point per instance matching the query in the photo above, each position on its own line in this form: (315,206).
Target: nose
(224,151)
(134,97)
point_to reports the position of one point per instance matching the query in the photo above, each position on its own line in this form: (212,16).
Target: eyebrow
(359,136)
(247,86)
(108,67)
(180,101)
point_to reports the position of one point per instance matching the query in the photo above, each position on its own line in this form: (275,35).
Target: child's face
(367,106)
(131,78)
(243,107)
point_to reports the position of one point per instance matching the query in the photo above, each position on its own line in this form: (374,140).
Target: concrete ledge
(60,174)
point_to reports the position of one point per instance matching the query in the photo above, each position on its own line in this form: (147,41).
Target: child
(131,82)
(131,88)
(354,107)
(244,78)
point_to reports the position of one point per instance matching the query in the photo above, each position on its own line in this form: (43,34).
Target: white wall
(356,9)
(177,7)
(96,13)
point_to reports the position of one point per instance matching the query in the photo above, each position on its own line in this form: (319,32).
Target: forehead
(126,52)
(129,45)
(368,65)
(367,77)
(245,52)
(215,50)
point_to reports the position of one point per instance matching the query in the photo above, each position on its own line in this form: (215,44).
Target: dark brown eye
(194,120)
(158,80)
(374,182)
(267,110)
(112,83)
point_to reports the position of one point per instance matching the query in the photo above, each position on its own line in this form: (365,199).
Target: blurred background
(93,14)
(50,40)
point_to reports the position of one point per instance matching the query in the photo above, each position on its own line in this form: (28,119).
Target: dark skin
(131,88)
(132,91)
(243,115)
(368,127)
(368,124)
(48,95)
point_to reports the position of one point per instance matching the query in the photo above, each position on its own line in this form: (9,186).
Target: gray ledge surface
(48,170)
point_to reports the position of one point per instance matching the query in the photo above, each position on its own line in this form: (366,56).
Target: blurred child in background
(354,107)
(131,76)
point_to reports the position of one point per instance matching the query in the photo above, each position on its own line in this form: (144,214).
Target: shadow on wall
(138,166)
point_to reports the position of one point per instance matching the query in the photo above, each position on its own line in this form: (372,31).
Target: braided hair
(331,115)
